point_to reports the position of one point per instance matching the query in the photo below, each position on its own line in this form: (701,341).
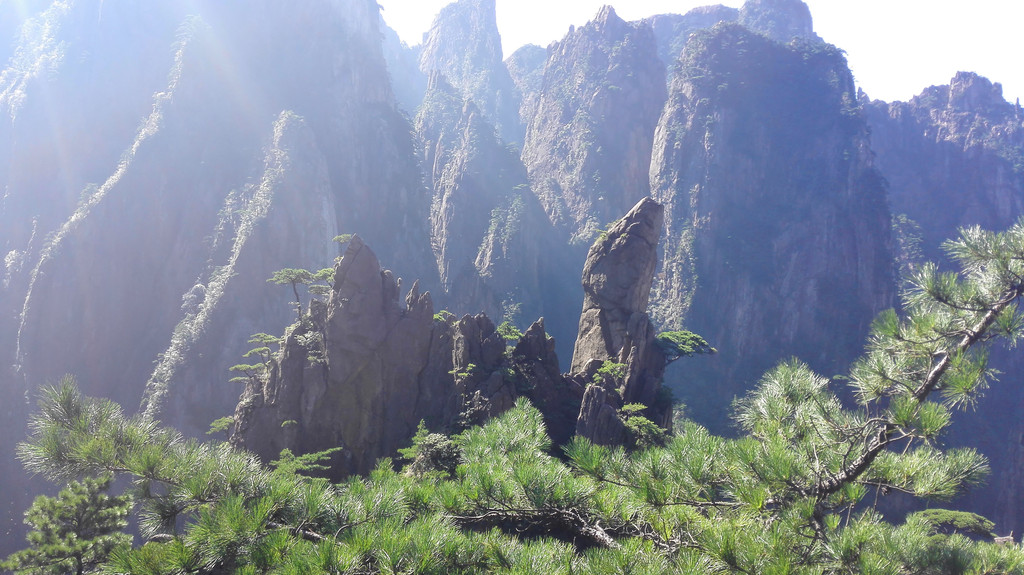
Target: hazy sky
(895,47)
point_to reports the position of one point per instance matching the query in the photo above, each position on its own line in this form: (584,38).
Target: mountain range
(160,160)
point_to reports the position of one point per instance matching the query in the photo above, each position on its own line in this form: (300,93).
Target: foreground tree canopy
(793,494)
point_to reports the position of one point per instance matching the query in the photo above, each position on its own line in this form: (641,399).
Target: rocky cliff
(487,229)
(526,67)
(615,327)
(264,132)
(780,20)
(463,44)
(588,145)
(408,82)
(672,31)
(777,227)
(953,156)
(205,172)
(364,359)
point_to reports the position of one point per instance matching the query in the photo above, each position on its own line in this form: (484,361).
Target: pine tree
(73,532)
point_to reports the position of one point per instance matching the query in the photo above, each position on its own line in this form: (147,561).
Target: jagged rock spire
(614,325)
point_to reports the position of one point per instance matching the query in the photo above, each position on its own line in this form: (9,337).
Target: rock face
(954,157)
(266,131)
(463,44)
(408,82)
(367,359)
(615,327)
(486,228)
(780,20)
(212,175)
(588,146)
(672,31)
(363,358)
(526,67)
(555,394)
(777,227)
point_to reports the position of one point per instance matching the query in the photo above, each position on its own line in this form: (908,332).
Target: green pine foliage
(318,283)
(431,452)
(793,494)
(679,344)
(963,522)
(610,372)
(641,433)
(221,425)
(509,332)
(73,532)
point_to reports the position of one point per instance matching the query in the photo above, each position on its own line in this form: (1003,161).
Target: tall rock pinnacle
(617,283)
(615,327)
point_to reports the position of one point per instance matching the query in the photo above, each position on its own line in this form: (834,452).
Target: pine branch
(886,435)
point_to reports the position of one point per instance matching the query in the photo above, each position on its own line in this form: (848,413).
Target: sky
(895,48)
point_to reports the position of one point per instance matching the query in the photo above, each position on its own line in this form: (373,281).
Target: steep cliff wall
(408,82)
(672,31)
(953,156)
(463,44)
(588,147)
(777,228)
(526,67)
(225,140)
(780,20)
(487,229)
(199,160)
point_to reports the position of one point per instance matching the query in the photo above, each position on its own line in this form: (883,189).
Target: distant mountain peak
(780,20)
(465,46)
(606,13)
(969,91)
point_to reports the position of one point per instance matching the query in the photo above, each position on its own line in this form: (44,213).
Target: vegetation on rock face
(792,495)
(262,352)
(318,283)
(682,343)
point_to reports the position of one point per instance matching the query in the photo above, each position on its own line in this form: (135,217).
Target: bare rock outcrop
(556,395)
(372,351)
(780,20)
(361,371)
(672,31)
(953,156)
(407,80)
(615,327)
(486,227)
(526,67)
